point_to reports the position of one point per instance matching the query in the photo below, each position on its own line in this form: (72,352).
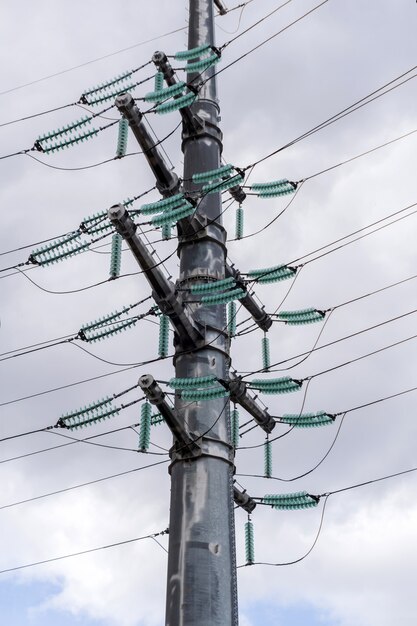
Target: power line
(324,171)
(294,478)
(301,558)
(356,232)
(133,366)
(68,556)
(371,150)
(12,354)
(59,423)
(266,40)
(358,156)
(326,345)
(106,56)
(346,111)
(154,360)
(326,497)
(71,443)
(364,356)
(80,485)
(255,24)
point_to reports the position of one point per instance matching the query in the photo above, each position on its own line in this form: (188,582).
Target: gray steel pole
(201,586)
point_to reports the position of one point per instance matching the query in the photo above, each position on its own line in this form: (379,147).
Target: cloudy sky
(362,569)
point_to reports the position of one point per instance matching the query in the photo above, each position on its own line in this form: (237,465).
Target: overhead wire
(326,345)
(70,443)
(310,471)
(282,30)
(326,496)
(82,552)
(106,56)
(301,558)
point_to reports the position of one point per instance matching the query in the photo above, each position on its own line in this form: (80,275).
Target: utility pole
(201,581)
(201,585)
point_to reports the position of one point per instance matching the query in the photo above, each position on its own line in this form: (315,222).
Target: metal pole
(201,586)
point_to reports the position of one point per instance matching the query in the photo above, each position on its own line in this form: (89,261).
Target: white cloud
(362,568)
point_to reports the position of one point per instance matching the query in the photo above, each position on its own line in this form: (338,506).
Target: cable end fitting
(122,221)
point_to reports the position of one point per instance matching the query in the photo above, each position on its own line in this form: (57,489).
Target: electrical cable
(254,25)
(64,445)
(101,58)
(115,158)
(326,496)
(364,356)
(59,422)
(141,43)
(310,352)
(266,40)
(29,117)
(245,236)
(102,282)
(290,480)
(103,445)
(324,171)
(358,156)
(326,345)
(347,111)
(359,358)
(279,363)
(304,555)
(12,354)
(67,556)
(287,206)
(369,482)
(67,234)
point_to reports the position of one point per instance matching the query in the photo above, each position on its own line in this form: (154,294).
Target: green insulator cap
(166,231)
(231,318)
(145,427)
(213,286)
(192,383)
(249,543)
(116,255)
(266,357)
(163,336)
(192,53)
(173,215)
(203,65)
(168,92)
(203,177)
(122,138)
(234,427)
(275,193)
(168,203)
(204,394)
(224,298)
(268,459)
(159,81)
(239,223)
(177,103)
(223,185)
(291,501)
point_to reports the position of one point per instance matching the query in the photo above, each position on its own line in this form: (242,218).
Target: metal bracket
(193,124)
(239,394)
(243,500)
(200,228)
(261,318)
(220,7)
(163,289)
(185,441)
(167,181)
(207,447)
